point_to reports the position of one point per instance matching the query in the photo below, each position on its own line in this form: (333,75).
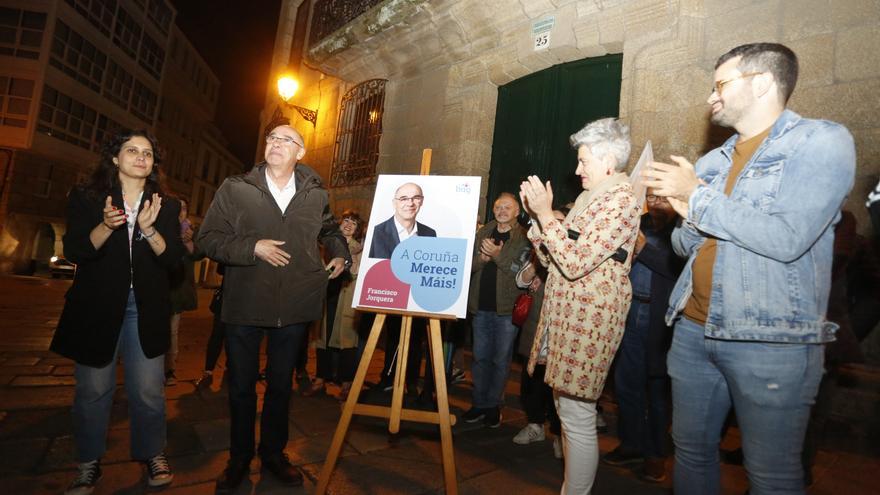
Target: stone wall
(444,61)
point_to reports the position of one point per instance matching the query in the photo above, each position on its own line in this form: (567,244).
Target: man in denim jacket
(758,229)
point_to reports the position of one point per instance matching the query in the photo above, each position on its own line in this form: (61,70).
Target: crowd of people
(706,294)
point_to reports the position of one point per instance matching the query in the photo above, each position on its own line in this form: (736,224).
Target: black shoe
(281,467)
(87,476)
(233,475)
(159,471)
(473,415)
(493,417)
(622,457)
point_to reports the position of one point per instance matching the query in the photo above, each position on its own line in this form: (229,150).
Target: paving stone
(63,370)
(35,398)
(213,435)
(24,369)
(42,381)
(21,361)
(21,454)
(45,423)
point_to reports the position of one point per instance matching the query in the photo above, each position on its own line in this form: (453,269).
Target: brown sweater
(697,308)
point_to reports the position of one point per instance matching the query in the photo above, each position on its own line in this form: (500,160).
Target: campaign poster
(418,245)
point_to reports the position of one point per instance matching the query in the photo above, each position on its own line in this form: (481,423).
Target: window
(152,56)
(127,33)
(15,101)
(67,119)
(160,14)
(21,32)
(78,58)
(98,12)
(43,179)
(358,133)
(106,127)
(143,102)
(118,85)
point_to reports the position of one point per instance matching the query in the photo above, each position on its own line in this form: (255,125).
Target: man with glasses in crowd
(758,229)
(265,226)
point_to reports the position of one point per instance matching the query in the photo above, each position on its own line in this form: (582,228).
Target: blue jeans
(243,362)
(493,349)
(144,387)
(771,387)
(643,405)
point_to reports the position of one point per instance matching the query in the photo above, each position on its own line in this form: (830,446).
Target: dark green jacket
(243,211)
(514,254)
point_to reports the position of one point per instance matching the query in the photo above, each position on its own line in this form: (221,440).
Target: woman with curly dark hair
(338,339)
(124,236)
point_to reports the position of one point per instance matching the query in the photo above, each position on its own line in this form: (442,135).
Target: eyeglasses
(274,138)
(719,85)
(407,199)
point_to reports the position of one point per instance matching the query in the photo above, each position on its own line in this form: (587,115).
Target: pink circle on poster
(381,289)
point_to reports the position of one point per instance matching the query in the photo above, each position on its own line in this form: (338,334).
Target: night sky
(236,39)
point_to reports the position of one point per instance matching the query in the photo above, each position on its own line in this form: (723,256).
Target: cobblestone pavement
(36,443)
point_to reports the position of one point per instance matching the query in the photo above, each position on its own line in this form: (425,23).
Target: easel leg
(436,344)
(400,374)
(348,410)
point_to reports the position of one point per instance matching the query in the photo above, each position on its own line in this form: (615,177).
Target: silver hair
(603,137)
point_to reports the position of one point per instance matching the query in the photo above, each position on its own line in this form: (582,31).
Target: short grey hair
(603,137)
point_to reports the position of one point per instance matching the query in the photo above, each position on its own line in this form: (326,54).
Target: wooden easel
(396,412)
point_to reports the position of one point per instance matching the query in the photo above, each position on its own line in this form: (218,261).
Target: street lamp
(287,87)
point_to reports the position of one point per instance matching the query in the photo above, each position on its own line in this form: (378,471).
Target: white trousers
(579,442)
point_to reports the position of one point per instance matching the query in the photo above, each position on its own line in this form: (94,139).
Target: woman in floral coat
(588,292)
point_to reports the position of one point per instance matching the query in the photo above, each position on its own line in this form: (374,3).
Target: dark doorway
(537,113)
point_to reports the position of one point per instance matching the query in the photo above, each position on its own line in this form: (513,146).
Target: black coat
(665,267)
(385,238)
(90,323)
(256,293)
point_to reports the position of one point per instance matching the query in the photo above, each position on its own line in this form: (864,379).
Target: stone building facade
(444,62)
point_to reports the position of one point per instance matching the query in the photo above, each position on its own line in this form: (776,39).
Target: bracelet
(150,235)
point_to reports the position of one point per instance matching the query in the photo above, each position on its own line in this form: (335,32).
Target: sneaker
(557,448)
(532,432)
(159,471)
(493,417)
(87,476)
(457,376)
(601,425)
(655,470)
(473,415)
(170,379)
(206,380)
(622,457)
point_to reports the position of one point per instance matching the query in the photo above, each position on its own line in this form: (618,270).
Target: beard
(732,109)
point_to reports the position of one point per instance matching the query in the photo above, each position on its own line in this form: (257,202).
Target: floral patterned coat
(587,293)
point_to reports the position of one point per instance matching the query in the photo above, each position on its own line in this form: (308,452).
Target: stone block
(853,104)
(850,13)
(537,8)
(815,60)
(757,21)
(806,18)
(648,15)
(858,54)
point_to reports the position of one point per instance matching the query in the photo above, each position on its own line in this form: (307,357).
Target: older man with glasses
(265,226)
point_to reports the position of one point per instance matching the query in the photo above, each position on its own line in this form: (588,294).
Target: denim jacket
(775,232)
